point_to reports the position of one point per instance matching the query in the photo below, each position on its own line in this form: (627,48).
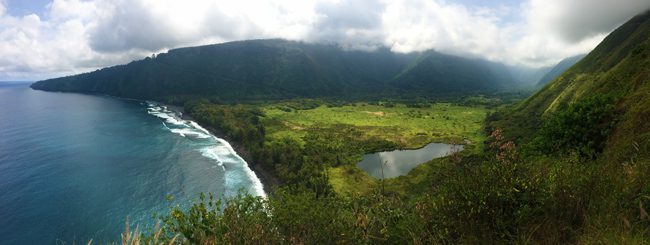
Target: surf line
(237,172)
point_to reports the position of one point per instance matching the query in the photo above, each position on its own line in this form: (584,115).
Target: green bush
(241,220)
(290,217)
(583,127)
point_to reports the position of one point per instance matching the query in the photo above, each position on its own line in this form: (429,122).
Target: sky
(42,39)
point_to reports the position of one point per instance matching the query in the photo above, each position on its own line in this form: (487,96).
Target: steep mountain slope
(617,69)
(527,77)
(440,74)
(269,69)
(558,69)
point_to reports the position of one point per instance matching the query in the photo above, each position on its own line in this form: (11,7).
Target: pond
(400,162)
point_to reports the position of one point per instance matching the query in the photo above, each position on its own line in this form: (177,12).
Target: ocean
(74,167)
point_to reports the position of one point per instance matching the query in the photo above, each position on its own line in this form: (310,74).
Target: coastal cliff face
(280,69)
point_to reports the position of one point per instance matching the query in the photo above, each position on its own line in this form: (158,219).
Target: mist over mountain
(558,69)
(526,77)
(276,69)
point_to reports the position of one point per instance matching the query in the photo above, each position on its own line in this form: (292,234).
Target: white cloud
(576,20)
(61,10)
(414,25)
(352,24)
(557,28)
(75,36)
(154,25)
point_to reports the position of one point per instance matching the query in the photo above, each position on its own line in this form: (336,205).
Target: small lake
(400,162)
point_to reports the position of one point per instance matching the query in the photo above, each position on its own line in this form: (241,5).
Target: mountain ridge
(618,69)
(276,69)
(558,69)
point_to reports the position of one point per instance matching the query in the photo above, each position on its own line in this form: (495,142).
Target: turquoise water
(74,167)
(401,162)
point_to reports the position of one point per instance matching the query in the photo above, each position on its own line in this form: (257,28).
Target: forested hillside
(280,69)
(615,74)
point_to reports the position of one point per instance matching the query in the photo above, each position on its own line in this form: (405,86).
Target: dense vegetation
(567,165)
(279,69)
(581,128)
(315,144)
(495,196)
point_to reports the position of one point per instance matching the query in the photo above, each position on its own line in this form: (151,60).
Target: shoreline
(269,181)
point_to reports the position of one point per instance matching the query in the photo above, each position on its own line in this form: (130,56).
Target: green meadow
(406,127)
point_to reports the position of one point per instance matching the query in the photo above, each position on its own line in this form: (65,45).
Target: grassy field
(406,127)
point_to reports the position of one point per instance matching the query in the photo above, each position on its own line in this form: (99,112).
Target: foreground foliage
(499,196)
(583,128)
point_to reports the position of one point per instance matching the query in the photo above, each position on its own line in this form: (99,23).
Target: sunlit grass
(407,127)
(350,180)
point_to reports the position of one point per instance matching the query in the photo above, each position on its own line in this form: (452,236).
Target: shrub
(583,127)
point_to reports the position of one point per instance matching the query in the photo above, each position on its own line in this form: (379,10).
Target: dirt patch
(376,113)
(293,126)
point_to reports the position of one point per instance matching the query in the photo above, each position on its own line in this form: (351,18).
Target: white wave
(189,132)
(176,121)
(179,126)
(257,186)
(210,153)
(197,126)
(168,116)
(237,172)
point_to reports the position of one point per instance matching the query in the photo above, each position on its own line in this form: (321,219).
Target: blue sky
(25,7)
(48,38)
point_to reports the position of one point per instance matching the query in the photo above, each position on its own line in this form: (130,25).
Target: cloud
(33,48)
(415,25)
(556,28)
(576,20)
(360,14)
(75,36)
(62,10)
(352,24)
(149,25)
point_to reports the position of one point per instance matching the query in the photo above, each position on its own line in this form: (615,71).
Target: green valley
(333,136)
(407,127)
(324,122)
(569,164)
(400,126)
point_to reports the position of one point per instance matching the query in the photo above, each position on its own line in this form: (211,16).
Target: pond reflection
(400,162)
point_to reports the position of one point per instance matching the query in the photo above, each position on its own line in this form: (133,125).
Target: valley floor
(406,127)
(335,136)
